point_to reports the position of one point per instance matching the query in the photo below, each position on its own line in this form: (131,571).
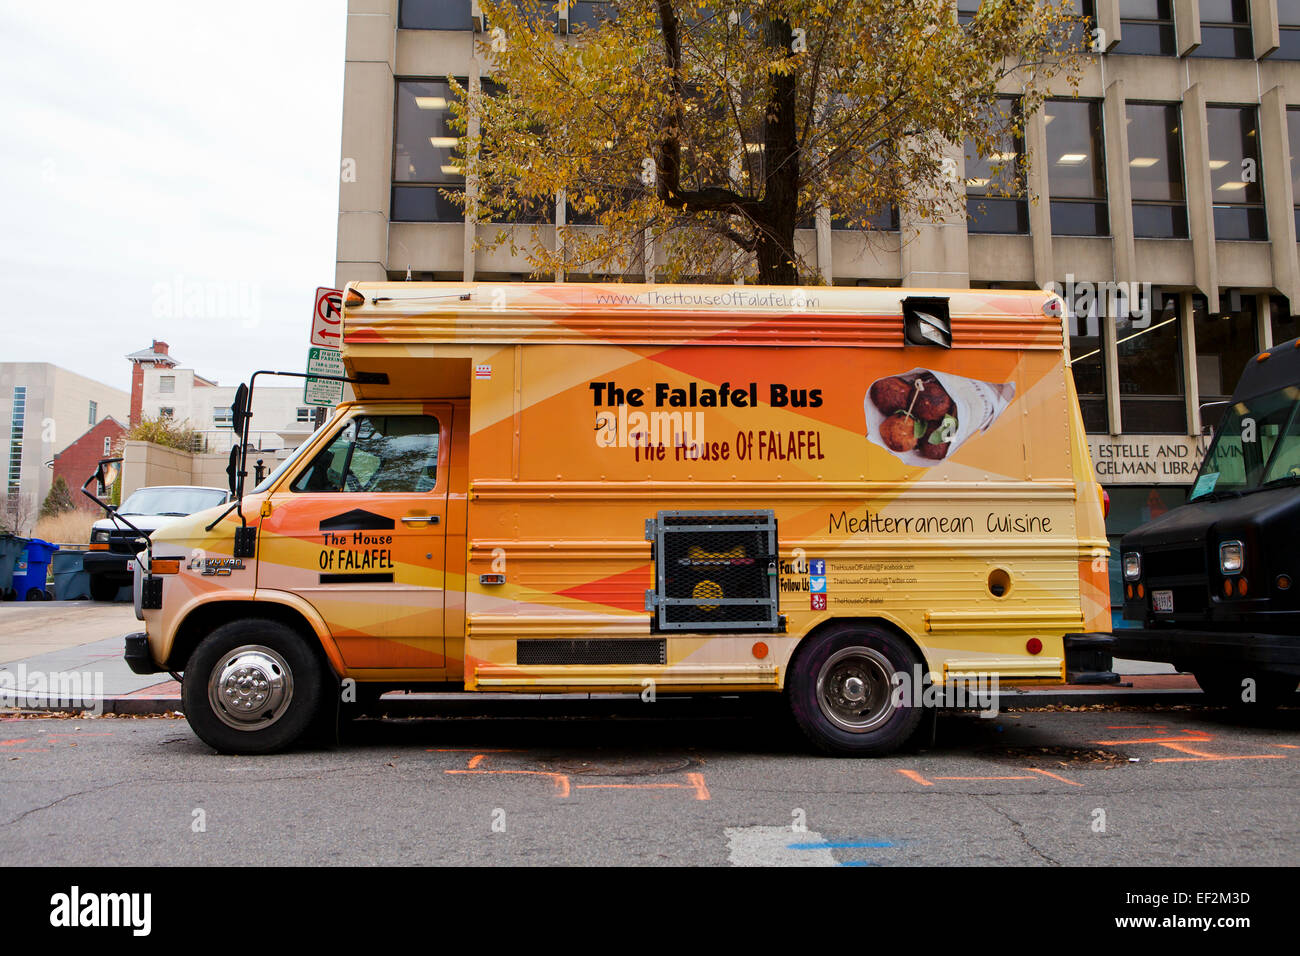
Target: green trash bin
(12,548)
(71,579)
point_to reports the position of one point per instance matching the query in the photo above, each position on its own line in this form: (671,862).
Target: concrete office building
(1167,193)
(46,409)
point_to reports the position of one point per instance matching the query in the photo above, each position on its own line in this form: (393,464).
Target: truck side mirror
(232,470)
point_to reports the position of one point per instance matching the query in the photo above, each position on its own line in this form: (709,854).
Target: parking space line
(913,775)
(1055,776)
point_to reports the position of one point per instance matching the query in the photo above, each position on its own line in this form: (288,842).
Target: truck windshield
(285,465)
(171,501)
(1256,446)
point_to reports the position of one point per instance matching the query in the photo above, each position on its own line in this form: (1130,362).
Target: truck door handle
(420,519)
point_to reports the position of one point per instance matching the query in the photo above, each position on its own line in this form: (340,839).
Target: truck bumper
(138,657)
(1089,659)
(109,565)
(1191,650)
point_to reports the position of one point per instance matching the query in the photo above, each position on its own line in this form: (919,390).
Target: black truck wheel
(252,687)
(844,695)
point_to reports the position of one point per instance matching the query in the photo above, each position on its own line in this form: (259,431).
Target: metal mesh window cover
(714,570)
(598,650)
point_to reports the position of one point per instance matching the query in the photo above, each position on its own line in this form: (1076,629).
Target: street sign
(320,391)
(327,318)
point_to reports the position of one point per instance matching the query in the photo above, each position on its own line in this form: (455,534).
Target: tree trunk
(780,205)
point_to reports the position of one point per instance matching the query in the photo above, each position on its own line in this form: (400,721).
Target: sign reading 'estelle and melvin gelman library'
(1146,459)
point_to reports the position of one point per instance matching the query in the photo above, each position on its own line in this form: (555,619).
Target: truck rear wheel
(1228,689)
(844,695)
(251,687)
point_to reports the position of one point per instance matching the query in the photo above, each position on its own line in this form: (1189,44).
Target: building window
(1285,325)
(1293,142)
(995,194)
(17,415)
(1225,30)
(223,417)
(1087,362)
(966,10)
(1155,168)
(1147,28)
(1288,31)
(1076,175)
(881,220)
(304,414)
(583,15)
(1079,19)
(1235,174)
(424,160)
(166,384)
(435,15)
(1150,366)
(108,447)
(166,412)
(94,413)
(1224,344)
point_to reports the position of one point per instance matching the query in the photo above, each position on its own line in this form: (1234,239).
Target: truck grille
(714,570)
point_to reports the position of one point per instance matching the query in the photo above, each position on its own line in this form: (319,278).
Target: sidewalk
(66,639)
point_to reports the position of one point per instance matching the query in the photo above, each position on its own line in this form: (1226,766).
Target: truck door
(359,532)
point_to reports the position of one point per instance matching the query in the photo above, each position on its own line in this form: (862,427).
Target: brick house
(77,462)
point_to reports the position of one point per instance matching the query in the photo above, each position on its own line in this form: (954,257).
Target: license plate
(1163,601)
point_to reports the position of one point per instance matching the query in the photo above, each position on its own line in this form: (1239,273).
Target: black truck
(1215,583)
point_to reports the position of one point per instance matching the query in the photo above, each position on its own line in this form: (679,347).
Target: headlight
(99,536)
(1232,557)
(1132,566)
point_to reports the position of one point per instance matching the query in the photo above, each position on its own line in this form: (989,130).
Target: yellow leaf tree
(705,134)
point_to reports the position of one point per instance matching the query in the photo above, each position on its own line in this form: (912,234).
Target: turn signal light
(165,566)
(1283,582)
(1142,592)
(1227,589)
(98,547)
(1241,587)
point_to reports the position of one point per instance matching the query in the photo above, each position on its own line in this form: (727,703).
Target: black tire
(837,656)
(271,655)
(102,589)
(1226,689)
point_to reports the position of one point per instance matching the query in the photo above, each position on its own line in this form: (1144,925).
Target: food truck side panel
(574,447)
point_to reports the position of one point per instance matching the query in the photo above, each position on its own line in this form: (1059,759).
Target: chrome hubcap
(250,687)
(854,690)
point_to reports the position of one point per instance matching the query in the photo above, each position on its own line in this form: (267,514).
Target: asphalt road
(607,784)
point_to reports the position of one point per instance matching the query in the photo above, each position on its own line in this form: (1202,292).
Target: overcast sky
(168,169)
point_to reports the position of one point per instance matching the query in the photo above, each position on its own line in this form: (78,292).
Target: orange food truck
(822,492)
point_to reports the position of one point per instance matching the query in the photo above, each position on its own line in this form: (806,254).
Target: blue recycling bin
(71,579)
(12,548)
(32,570)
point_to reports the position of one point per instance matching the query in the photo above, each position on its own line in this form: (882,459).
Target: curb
(417,705)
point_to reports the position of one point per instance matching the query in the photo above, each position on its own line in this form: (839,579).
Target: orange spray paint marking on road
(913,775)
(1055,776)
(695,782)
(560,780)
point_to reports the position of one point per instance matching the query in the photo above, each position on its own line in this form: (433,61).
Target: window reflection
(1224,344)
(1235,173)
(1156,170)
(995,195)
(1146,28)
(1150,367)
(1075,168)
(1225,30)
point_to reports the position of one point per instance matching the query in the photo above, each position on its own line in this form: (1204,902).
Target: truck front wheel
(251,687)
(845,696)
